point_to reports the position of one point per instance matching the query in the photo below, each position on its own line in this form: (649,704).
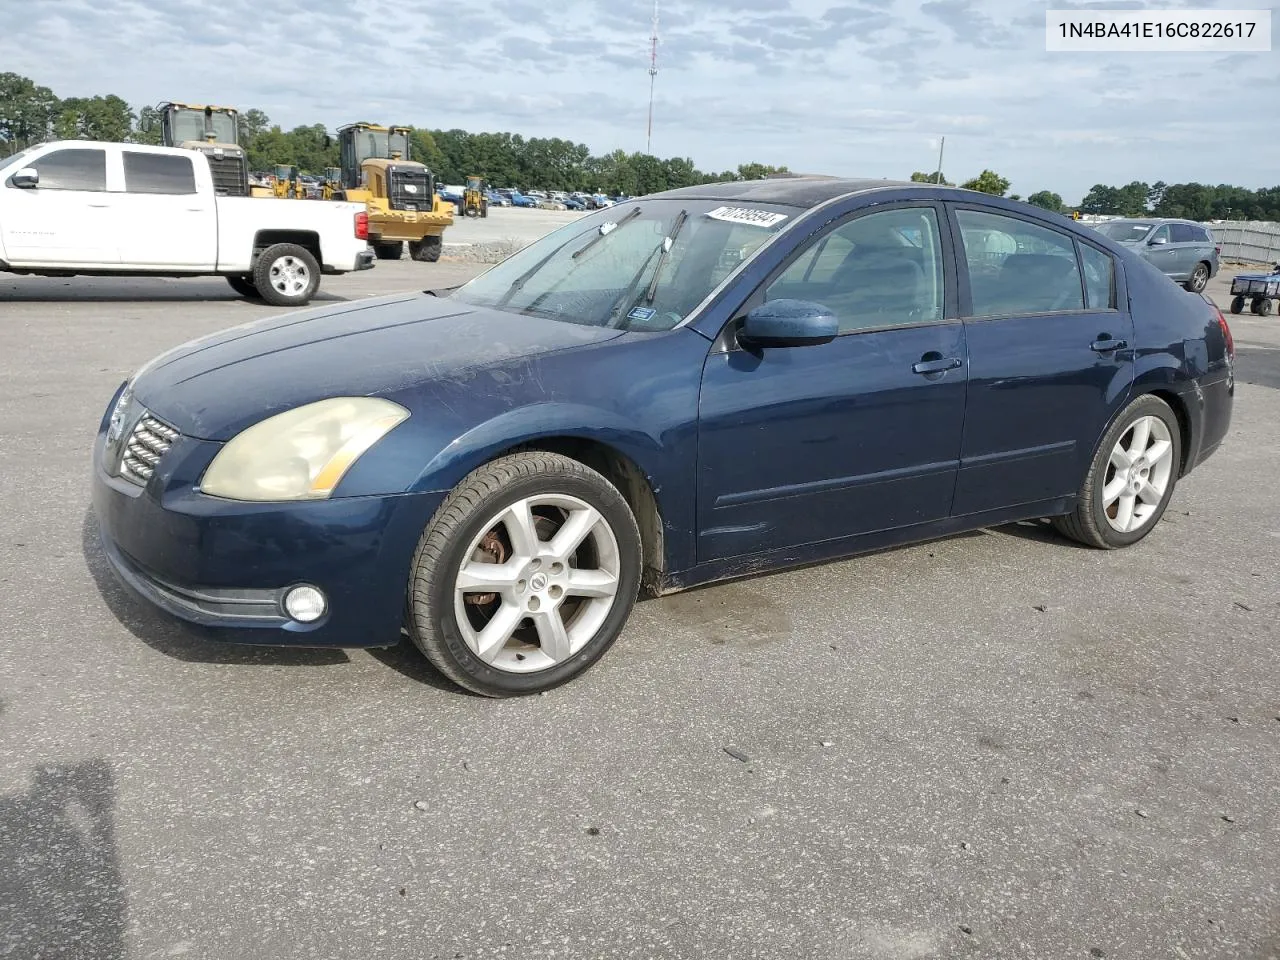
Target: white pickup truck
(79,207)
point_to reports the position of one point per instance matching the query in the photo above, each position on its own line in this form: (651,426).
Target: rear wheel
(1131,479)
(243,285)
(1265,309)
(286,275)
(1199,278)
(388,249)
(427,249)
(525,576)
(1237,304)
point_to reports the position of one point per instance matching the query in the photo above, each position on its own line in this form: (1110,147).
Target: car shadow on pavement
(407,660)
(175,638)
(1040,531)
(61,888)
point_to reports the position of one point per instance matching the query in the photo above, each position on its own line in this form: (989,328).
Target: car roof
(798,191)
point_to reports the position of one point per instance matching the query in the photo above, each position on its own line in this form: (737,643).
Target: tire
(469,525)
(1092,523)
(388,249)
(1199,278)
(1255,305)
(1264,308)
(1237,304)
(286,275)
(484,209)
(243,285)
(426,250)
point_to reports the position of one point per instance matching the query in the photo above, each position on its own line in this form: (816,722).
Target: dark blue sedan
(697,385)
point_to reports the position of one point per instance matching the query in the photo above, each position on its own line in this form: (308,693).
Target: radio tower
(653,75)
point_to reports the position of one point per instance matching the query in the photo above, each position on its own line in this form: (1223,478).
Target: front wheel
(1199,278)
(525,576)
(286,275)
(1237,304)
(427,249)
(1131,479)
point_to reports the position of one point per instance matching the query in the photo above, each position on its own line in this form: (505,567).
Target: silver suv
(1183,250)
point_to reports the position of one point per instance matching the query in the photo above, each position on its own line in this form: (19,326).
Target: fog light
(305,604)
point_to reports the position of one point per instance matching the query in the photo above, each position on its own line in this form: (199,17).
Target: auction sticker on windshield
(755,218)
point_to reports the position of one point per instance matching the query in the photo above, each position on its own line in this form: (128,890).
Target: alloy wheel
(1138,475)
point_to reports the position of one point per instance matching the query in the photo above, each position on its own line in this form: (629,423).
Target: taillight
(1217,248)
(1226,333)
(362,226)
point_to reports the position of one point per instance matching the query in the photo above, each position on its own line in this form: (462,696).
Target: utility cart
(1259,289)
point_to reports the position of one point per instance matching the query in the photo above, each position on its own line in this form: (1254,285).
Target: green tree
(1046,200)
(94,118)
(252,123)
(936,177)
(27,112)
(758,171)
(988,181)
(1100,199)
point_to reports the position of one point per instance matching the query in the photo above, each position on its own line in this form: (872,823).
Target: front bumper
(227,564)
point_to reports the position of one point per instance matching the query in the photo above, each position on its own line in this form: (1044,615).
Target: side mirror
(1157,241)
(27,178)
(788,323)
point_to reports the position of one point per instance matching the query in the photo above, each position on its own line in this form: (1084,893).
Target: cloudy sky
(848,87)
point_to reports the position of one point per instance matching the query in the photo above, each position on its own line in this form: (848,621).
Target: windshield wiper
(667,243)
(518,284)
(635,212)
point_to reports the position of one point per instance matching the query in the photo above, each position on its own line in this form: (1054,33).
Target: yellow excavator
(215,132)
(399,193)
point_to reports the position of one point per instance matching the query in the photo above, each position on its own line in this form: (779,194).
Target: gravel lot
(997,745)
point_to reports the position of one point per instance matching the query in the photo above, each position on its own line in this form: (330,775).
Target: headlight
(300,454)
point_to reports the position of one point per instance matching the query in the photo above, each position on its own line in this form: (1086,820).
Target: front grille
(149,441)
(229,178)
(409,189)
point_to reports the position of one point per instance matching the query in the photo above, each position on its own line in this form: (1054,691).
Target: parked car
(1183,250)
(733,379)
(575,203)
(497,199)
(121,209)
(521,200)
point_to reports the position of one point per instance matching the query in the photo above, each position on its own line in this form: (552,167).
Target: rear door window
(1185,233)
(76,168)
(158,173)
(1099,278)
(1017,267)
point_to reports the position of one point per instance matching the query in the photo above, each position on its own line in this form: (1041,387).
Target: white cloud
(855,87)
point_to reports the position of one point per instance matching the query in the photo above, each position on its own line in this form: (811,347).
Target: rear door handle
(937,366)
(1107,346)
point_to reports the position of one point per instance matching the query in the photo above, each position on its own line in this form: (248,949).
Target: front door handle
(1107,346)
(941,365)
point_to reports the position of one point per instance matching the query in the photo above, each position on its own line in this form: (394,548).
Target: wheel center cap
(538,581)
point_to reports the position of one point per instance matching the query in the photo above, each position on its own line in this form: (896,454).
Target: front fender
(529,424)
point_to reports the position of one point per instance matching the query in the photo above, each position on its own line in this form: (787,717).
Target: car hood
(214,387)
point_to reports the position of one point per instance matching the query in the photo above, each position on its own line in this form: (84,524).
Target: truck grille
(228,177)
(149,441)
(409,189)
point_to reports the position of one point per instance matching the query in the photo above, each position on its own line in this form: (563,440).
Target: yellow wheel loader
(475,198)
(287,186)
(399,193)
(215,132)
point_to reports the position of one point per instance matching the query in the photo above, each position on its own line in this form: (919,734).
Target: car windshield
(15,159)
(644,265)
(1132,230)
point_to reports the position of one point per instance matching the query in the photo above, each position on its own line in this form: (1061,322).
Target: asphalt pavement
(996,745)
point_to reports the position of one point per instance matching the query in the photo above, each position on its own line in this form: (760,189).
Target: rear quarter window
(158,173)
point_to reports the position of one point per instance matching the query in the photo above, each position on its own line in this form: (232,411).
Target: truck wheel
(286,275)
(243,286)
(388,249)
(1237,305)
(484,209)
(426,250)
